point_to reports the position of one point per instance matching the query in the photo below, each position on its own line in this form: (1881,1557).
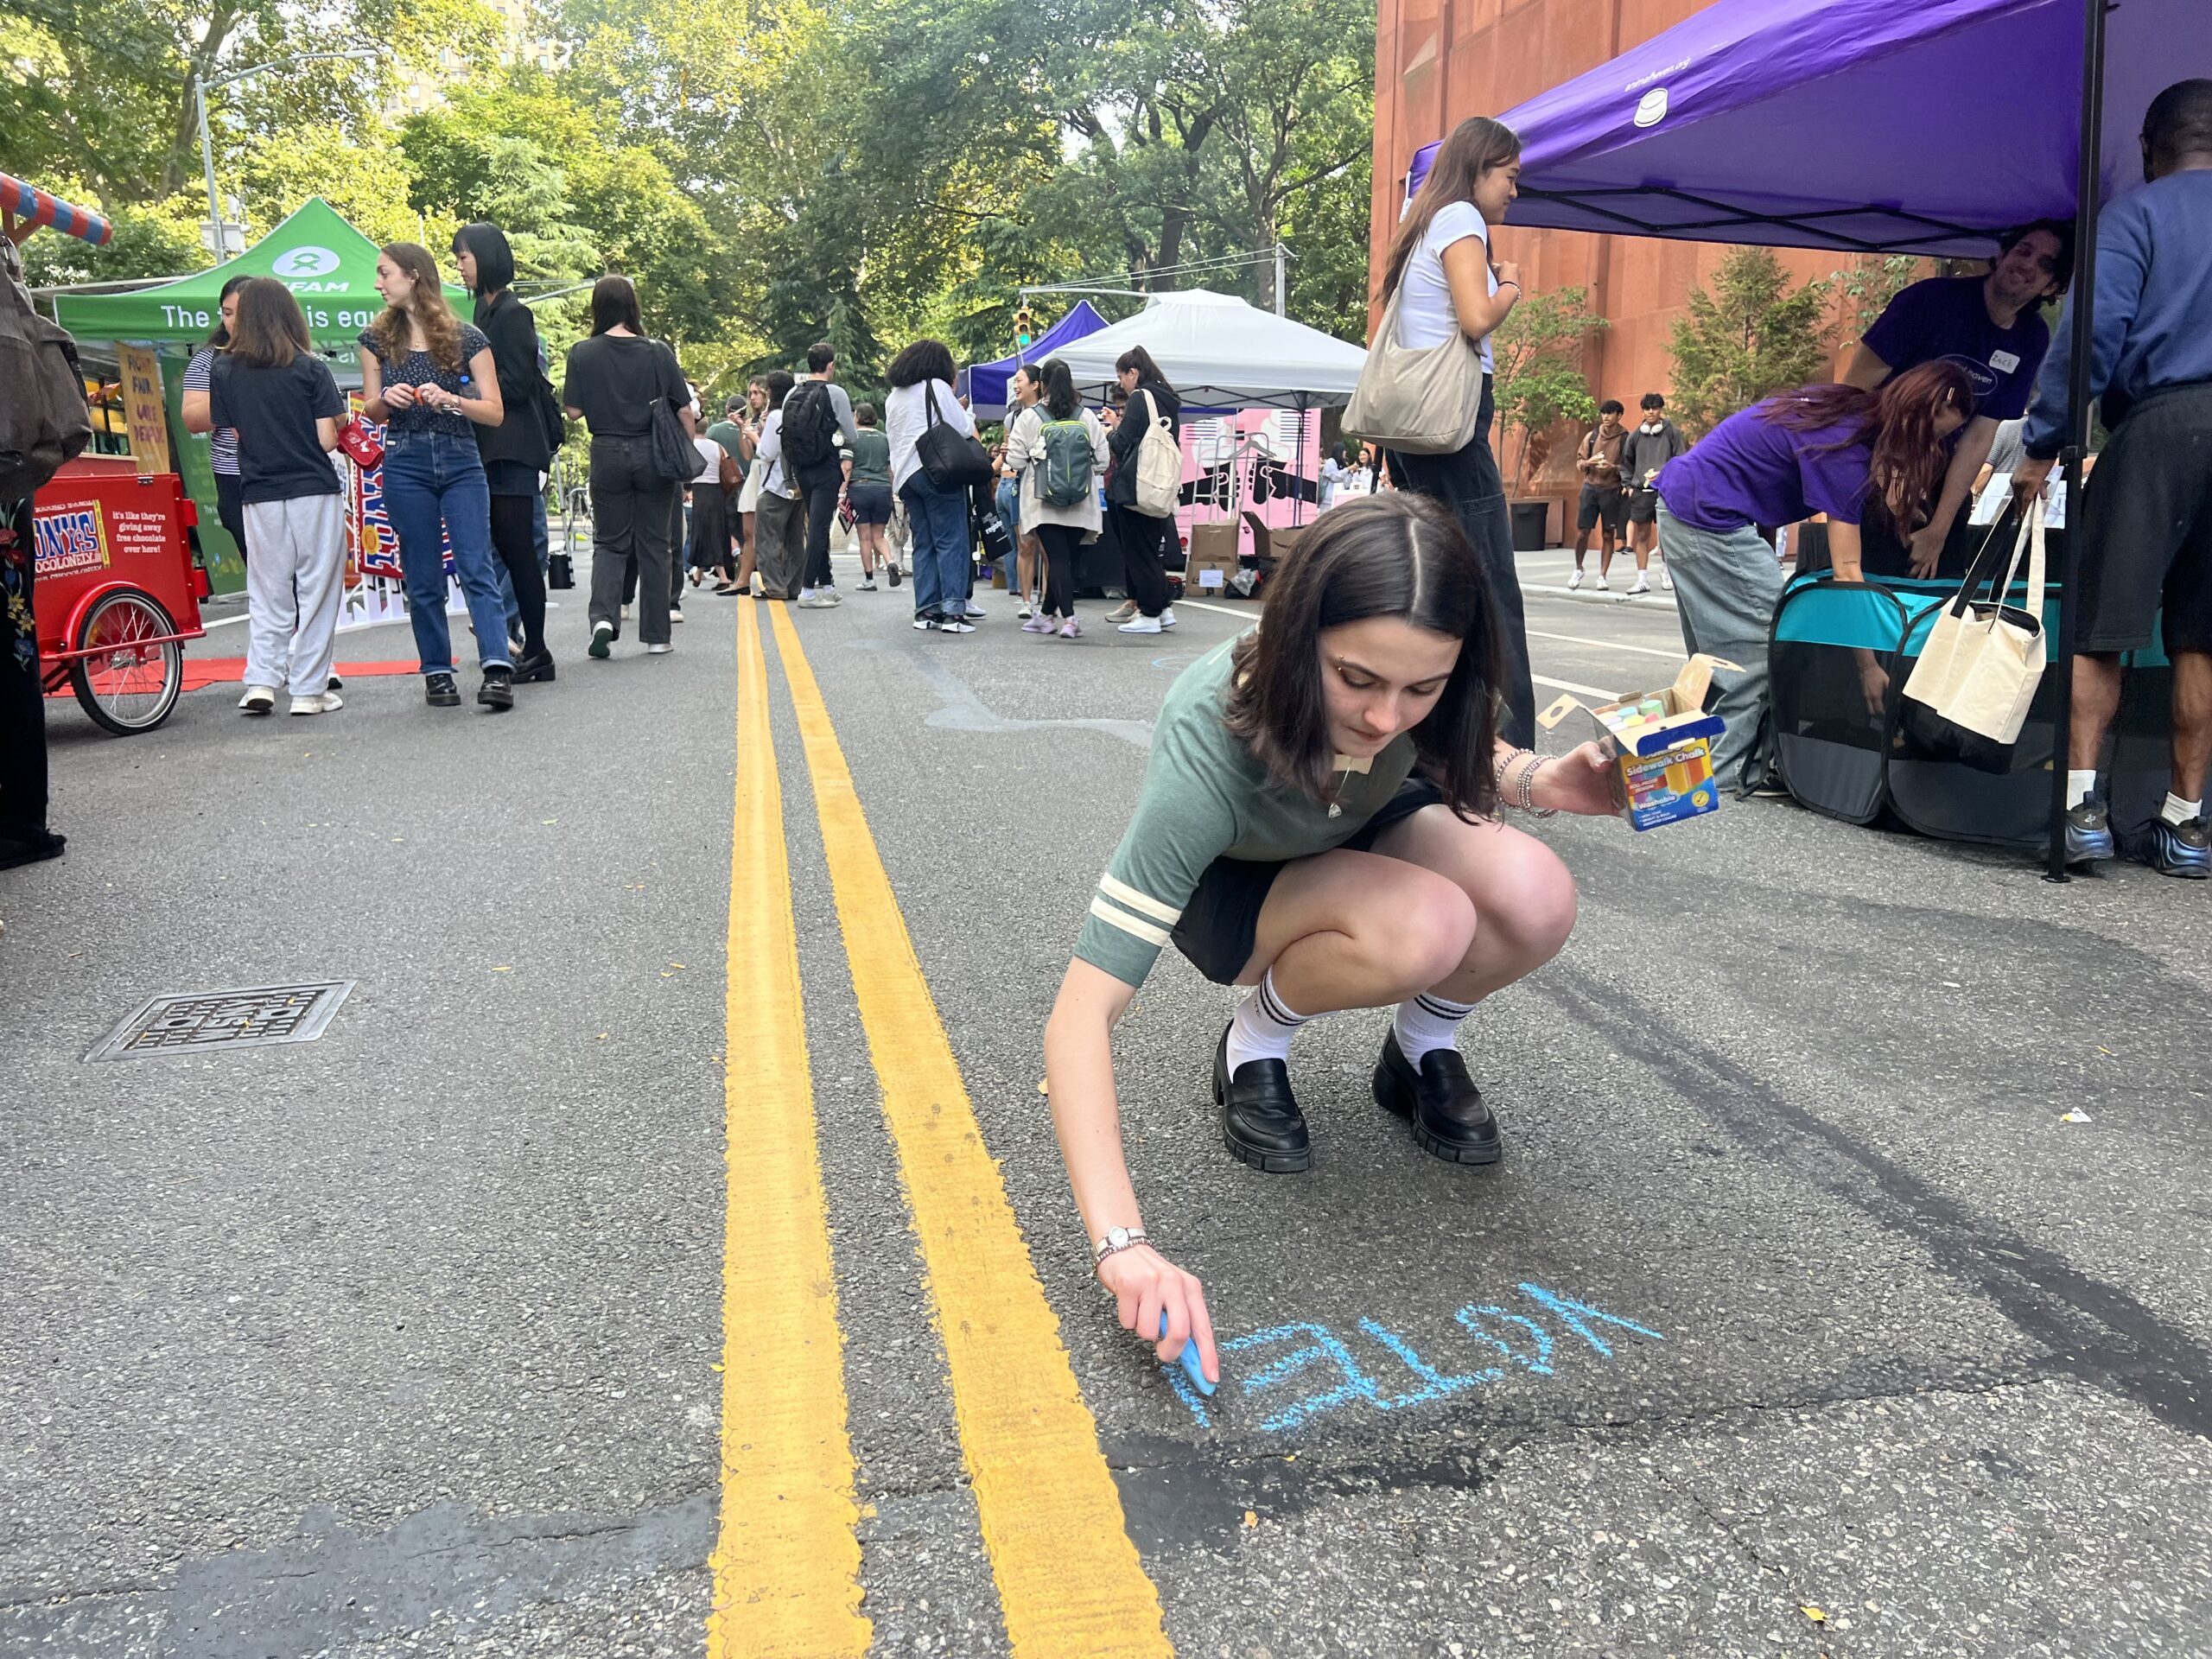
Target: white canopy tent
(1217,352)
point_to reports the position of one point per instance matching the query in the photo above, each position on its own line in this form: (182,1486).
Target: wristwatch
(1117,1239)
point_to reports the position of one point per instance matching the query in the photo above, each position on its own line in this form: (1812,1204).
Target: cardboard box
(1663,755)
(1211,564)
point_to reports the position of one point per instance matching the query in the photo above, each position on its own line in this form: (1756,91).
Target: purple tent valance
(984,385)
(1879,126)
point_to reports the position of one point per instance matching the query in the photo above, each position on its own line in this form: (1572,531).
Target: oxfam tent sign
(330,267)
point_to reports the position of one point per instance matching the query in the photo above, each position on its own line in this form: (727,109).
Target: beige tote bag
(1421,403)
(1983,658)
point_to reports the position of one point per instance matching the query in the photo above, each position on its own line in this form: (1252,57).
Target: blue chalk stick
(1191,1368)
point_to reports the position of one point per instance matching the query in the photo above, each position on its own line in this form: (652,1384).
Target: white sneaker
(317,705)
(975,611)
(924,624)
(658,651)
(1142,624)
(259,700)
(813,599)
(955,627)
(1643,586)
(1167,616)
(1022,610)
(1575,581)
(676,612)
(1667,581)
(625,613)
(1123,611)
(1602,585)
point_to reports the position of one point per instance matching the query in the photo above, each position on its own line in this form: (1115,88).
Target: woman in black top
(1143,537)
(611,381)
(517,450)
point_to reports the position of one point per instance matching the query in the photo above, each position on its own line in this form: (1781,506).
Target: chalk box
(1663,766)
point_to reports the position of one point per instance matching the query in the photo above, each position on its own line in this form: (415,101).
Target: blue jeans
(940,521)
(432,479)
(1009,507)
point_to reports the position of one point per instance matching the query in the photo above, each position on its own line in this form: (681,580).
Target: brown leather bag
(730,475)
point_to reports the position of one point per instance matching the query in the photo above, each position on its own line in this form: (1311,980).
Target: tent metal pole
(2080,365)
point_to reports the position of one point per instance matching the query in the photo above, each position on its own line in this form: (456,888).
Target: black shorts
(1599,502)
(871,503)
(1644,506)
(2147,527)
(1222,919)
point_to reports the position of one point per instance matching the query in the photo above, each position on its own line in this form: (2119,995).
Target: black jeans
(1144,574)
(514,538)
(631,505)
(22,700)
(821,513)
(1467,482)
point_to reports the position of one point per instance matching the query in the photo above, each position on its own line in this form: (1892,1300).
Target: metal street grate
(207,1019)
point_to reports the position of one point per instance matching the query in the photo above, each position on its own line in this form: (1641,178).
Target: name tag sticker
(2004,362)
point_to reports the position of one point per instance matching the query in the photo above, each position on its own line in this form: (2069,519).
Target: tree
(1747,338)
(1537,381)
(1868,284)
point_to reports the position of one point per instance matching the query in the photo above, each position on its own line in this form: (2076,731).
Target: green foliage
(1868,284)
(1746,339)
(1537,379)
(158,240)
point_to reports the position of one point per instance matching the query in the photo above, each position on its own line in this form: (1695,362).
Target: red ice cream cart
(118,592)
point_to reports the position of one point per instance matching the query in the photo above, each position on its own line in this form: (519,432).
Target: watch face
(1118,1237)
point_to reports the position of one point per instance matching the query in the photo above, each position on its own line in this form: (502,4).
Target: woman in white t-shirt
(1442,256)
(922,397)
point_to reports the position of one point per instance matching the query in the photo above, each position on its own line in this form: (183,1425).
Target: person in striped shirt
(1319,822)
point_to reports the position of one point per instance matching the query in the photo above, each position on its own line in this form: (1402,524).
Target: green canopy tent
(329,264)
(330,267)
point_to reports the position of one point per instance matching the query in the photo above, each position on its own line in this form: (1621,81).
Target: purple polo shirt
(1749,471)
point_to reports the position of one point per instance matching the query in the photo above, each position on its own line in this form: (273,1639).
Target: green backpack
(1070,463)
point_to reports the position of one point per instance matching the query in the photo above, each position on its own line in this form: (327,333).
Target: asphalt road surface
(663,1250)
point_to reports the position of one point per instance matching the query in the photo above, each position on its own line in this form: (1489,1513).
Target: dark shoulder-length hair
(495,260)
(923,361)
(272,330)
(777,384)
(614,303)
(1895,421)
(1398,555)
(1475,145)
(1140,360)
(1060,400)
(220,336)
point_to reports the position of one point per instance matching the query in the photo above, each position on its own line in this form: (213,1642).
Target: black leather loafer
(1441,1103)
(1260,1119)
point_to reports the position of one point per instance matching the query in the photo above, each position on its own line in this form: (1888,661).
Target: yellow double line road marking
(1071,1585)
(787,1561)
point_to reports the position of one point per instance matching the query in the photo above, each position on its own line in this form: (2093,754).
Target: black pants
(1060,543)
(631,505)
(1467,482)
(1144,570)
(22,700)
(514,538)
(229,511)
(821,513)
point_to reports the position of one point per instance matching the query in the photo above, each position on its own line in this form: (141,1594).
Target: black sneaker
(497,691)
(897,576)
(440,691)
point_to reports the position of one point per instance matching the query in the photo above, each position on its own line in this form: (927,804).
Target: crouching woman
(1319,822)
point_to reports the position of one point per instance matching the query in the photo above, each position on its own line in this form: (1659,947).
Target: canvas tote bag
(1160,466)
(1421,403)
(1983,658)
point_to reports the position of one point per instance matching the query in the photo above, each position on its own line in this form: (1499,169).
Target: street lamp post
(200,87)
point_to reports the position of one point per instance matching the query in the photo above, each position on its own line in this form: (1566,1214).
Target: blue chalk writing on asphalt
(1540,1361)
(1530,1348)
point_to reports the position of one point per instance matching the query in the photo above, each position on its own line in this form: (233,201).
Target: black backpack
(809,426)
(44,421)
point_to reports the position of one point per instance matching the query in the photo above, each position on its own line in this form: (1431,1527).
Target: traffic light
(1022,330)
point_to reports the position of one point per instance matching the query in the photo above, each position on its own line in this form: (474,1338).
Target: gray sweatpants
(294,583)
(1726,586)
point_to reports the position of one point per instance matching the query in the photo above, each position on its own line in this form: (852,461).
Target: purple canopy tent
(985,385)
(1869,126)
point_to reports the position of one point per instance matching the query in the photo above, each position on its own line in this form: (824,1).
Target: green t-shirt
(871,457)
(1206,797)
(733,441)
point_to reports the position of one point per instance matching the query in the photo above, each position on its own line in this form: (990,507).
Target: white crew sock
(2178,811)
(2079,786)
(1426,1022)
(1263,1027)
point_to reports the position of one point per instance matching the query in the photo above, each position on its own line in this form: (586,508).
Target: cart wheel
(126,685)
